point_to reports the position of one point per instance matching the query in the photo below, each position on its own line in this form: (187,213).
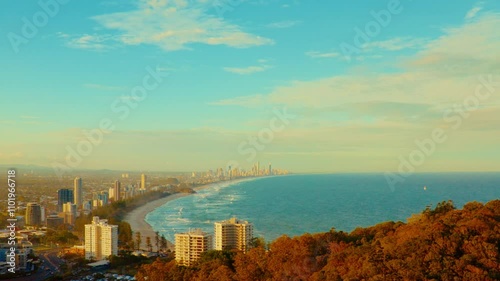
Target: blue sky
(230,63)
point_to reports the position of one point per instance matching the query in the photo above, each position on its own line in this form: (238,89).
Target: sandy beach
(137,218)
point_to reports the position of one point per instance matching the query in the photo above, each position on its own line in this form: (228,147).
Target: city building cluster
(234,172)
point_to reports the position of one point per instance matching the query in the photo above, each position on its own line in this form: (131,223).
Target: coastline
(137,217)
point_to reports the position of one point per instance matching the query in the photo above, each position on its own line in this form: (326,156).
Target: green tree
(125,235)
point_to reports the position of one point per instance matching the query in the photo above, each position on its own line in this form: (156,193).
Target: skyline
(219,78)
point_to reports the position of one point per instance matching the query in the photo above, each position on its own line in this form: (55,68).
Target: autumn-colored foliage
(439,244)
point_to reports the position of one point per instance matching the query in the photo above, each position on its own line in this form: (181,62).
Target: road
(49,261)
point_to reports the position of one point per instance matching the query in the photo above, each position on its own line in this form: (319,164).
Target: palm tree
(157,240)
(148,244)
(138,240)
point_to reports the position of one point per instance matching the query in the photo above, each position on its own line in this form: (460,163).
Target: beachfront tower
(101,240)
(233,234)
(190,245)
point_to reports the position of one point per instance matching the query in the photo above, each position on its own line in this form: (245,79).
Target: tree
(163,243)
(445,244)
(125,235)
(138,240)
(148,244)
(157,241)
(257,242)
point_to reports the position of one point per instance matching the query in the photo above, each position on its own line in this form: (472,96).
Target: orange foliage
(439,244)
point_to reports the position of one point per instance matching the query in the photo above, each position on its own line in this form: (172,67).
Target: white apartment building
(233,234)
(101,240)
(190,245)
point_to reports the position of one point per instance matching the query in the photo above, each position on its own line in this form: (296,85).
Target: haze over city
(350,88)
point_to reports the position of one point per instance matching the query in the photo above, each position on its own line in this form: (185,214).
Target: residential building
(190,245)
(101,240)
(69,213)
(233,234)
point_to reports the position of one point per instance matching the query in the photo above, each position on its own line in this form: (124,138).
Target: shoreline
(137,217)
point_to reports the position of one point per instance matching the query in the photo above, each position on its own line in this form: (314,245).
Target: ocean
(298,204)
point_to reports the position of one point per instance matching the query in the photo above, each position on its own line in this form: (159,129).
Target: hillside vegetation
(439,244)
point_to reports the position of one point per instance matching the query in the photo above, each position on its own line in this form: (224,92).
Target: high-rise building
(64,196)
(42,214)
(33,214)
(101,239)
(117,189)
(69,213)
(143,181)
(233,234)
(270,170)
(78,192)
(104,197)
(111,193)
(190,245)
(54,221)
(99,199)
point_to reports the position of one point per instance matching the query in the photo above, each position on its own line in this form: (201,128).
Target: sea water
(298,204)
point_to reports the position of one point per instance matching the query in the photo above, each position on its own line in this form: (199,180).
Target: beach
(137,217)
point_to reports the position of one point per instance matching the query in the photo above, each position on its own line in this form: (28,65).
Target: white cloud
(95,42)
(243,101)
(283,24)
(315,54)
(249,69)
(473,12)
(396,44)
(471,50)
(169,25)
(245,70)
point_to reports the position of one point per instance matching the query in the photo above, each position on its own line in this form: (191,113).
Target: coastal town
(97,225)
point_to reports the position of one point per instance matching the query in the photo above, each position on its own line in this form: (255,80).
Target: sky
(309,86)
